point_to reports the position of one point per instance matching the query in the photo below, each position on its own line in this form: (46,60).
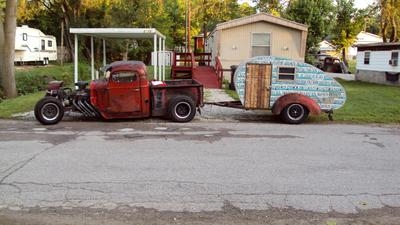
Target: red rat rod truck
(126,92)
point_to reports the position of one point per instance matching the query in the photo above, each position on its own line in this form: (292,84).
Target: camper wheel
(294,113)
(45,61)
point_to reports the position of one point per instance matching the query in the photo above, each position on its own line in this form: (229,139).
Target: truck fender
(291,98)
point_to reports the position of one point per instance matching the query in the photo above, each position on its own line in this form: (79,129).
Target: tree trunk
(393,37)
(8,73)
(344,57)
(67,36)
(1,56)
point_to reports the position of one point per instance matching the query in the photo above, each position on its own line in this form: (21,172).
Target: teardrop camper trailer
(32,45)
(289,88)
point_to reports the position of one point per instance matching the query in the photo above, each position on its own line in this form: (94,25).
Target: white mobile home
(378,63)
(32,45)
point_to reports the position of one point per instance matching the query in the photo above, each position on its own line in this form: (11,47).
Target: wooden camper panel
(258,86)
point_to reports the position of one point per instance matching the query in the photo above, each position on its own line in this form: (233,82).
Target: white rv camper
(32,45)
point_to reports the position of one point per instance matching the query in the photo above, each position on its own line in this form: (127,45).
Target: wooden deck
(198,67)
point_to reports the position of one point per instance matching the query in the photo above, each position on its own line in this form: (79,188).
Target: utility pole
(188,49)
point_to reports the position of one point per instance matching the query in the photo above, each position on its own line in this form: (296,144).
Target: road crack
(22,164)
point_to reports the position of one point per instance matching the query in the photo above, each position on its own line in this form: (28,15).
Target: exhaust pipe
(91,108)
(74,102)
(88,112)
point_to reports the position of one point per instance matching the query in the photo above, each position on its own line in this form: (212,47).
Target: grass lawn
(20,104)
(366,103)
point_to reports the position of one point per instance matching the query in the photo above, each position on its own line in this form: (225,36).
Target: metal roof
(264,17)
(118,33)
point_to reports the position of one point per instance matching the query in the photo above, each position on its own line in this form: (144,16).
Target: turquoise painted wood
(307,80)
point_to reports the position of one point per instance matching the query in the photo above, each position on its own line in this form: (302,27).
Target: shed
(378,63)
(259,34)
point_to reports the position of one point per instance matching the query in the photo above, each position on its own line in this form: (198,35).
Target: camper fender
(292,98)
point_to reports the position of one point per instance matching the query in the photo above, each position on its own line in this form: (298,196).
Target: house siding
(379,61)
(235,43)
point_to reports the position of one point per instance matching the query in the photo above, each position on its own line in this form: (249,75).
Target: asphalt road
(205,165)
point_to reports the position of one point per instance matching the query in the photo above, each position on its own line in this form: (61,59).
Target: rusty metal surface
(285,100)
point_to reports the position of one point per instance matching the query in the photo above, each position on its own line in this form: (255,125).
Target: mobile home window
(49,43)
(367,56)
(286,73)
(394,59)
(24,36)
(261,44)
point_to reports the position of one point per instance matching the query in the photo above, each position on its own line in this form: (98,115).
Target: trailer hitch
(330,113)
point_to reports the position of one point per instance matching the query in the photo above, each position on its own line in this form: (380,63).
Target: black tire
(181,109)
(294,113)
(49,110)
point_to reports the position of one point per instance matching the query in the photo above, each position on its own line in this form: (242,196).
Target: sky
(357,3)
(362,3)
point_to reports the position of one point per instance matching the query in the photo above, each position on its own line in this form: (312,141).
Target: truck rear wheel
(49,110)
(181,109)
(294,113)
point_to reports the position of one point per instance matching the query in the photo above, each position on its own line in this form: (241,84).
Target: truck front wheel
(49,110)
(294,113)
(181,109)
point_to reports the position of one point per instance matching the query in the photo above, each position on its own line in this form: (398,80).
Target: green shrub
(32,79)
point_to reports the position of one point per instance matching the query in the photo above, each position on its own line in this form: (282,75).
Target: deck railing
(203,59)
(219,71)
(183,64)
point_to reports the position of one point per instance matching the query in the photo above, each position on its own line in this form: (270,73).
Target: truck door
(258,86)
(124,92)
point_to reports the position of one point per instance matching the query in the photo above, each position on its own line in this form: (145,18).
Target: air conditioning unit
(394,62)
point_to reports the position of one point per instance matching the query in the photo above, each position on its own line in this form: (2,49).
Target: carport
(121,33)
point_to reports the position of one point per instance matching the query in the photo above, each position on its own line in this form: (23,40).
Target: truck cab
(123,93)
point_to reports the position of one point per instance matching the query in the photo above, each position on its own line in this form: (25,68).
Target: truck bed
(163,91)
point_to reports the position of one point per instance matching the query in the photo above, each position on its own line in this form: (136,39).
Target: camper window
(24,36)
(286,73)
(49,44)
(366,57)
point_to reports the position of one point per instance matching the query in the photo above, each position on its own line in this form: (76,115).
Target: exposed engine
(78,100)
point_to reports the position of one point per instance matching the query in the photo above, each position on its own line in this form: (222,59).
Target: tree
(390,20)
(219,11)
(175,10)
(273,7)
(317,14)
(372,19)
(349,22)
(7,45)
